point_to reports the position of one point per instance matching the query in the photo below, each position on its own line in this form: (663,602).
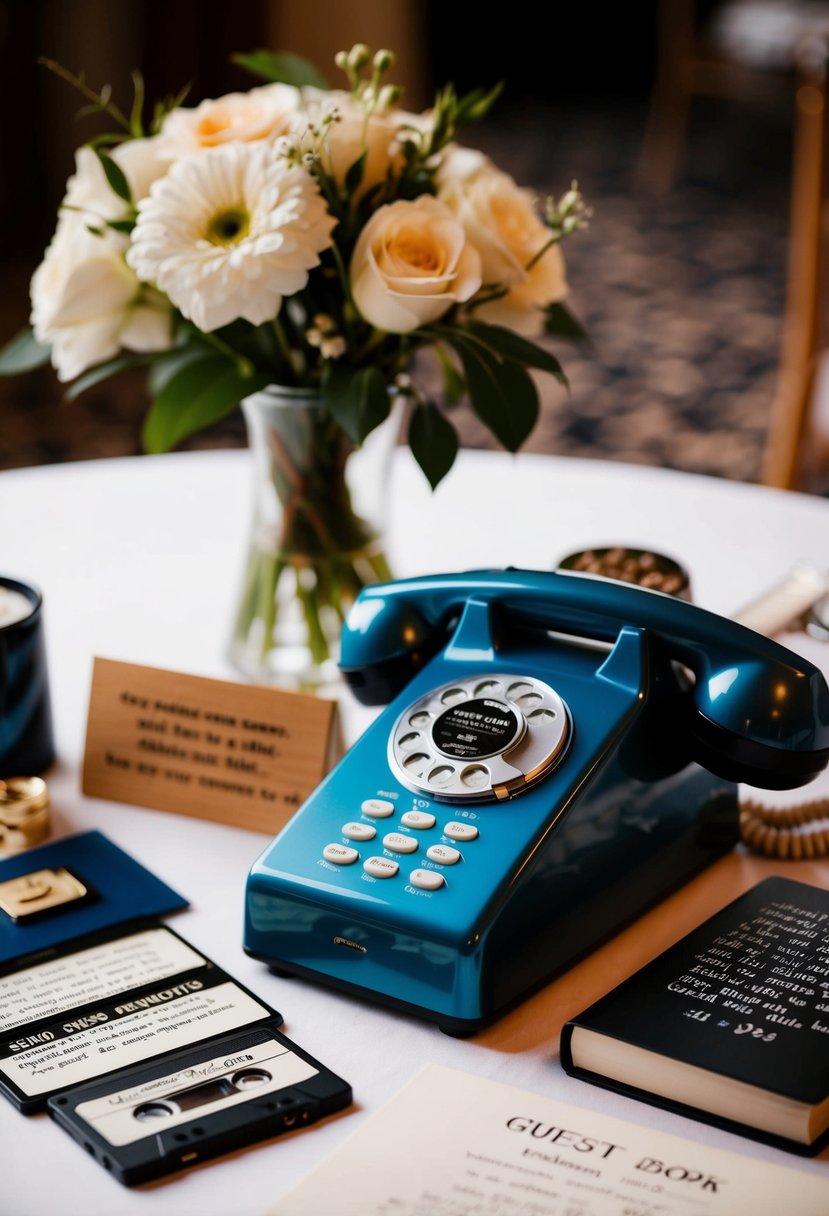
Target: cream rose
(352,133)
(263,113)
(86,302)
(501,221)
(411,263)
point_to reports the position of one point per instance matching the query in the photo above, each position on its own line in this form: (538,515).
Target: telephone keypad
(418,819)
(380,867)
(398,842)
(427,880)
(359,831)
(460,831)
(340,854)
(444,854)
(377,808)
(439,855)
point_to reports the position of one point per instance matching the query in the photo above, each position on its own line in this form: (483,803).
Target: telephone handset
(547,769)
(760,713)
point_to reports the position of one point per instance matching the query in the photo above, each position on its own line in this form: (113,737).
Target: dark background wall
(176,41)
(683,294)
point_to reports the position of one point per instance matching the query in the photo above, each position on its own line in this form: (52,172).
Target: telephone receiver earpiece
(760,713)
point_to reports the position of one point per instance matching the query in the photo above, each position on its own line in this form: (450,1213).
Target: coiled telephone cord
(795,833)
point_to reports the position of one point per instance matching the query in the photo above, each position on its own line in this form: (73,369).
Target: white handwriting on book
(756,1032)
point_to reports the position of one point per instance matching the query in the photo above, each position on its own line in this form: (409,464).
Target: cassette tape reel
(480,738)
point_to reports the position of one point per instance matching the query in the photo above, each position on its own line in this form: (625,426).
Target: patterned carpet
(683,299)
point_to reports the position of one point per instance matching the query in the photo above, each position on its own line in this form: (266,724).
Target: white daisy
(229,232)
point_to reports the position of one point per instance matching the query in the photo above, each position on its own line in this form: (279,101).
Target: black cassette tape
(115,1000)
(196,1104)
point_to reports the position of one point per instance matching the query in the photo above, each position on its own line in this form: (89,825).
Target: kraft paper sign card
(453,1144)
(240,754)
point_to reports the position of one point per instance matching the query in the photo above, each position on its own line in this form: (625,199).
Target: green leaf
(433,440)
(454,385)
(110,137)
(120,225)
(282,67)
(173,361)
(502,394)
(561,323)
(357,400)
(476,105)
(511,345)
(115,176)
(355,174)
(23,354)
(102,372)
(201,393)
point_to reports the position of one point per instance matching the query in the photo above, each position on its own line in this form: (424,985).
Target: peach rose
(501,221)
(412,262)
(263,113)
(354,132)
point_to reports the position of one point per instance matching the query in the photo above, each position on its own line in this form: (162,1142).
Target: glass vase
(316,536)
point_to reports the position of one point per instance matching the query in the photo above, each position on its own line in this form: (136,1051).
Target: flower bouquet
(294,248)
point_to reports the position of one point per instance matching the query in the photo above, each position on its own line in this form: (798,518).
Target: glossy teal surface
(761,713)
(623,818)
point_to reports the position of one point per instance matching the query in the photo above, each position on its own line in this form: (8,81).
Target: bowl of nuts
(642,567)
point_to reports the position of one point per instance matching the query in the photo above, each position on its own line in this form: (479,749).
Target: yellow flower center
(228,227)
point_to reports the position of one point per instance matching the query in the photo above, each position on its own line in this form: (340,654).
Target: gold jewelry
(24,813)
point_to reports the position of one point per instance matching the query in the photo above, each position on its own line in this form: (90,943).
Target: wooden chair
(689,63)
(795,452)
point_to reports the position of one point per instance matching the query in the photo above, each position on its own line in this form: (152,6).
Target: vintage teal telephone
(561,750)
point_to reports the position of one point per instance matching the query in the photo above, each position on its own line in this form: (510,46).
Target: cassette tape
(196,1104)
(113,1000)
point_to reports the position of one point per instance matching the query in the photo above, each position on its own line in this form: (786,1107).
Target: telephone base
(542,933)
(456,1028)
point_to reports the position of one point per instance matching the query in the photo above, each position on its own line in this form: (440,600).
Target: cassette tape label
(95,974)
(130,1115)
(125,1032)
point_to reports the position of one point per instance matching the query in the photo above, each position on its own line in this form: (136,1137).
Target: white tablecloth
(139,560)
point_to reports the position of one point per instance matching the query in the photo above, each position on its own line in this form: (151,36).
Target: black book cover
(745,995)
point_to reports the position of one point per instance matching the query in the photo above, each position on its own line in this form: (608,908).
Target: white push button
(444,854)
(340,854)
(459,831)
(398,842)
(359,831)
(377,808)
(427,880)
(380,867)
(418,819)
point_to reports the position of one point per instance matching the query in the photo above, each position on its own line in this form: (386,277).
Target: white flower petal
(78,347)
(283,227)
(148,328)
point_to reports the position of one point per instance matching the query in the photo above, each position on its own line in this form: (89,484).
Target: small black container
(26,739)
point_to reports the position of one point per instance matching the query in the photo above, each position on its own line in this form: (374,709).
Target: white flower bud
(313,336)
(358,56)
(388,95)
(333,348)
